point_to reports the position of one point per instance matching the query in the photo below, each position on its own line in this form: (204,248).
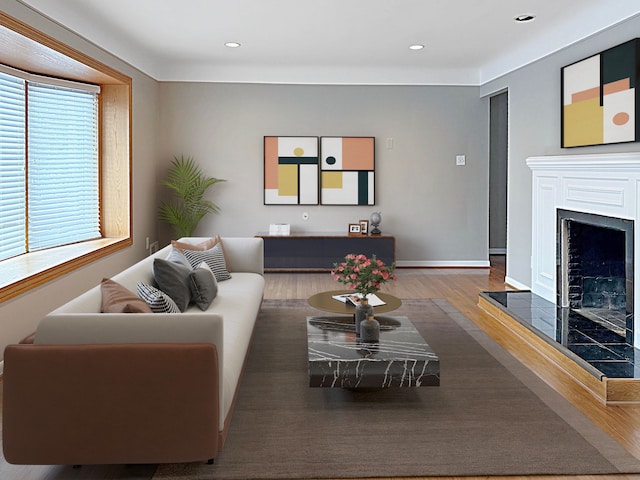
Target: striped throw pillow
(158,301)
(214,258)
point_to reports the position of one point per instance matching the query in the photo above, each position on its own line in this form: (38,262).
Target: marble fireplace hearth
(597,348)
(560,345)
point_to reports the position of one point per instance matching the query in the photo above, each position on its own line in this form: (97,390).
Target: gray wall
(438,211)
(19,316)
(534,129)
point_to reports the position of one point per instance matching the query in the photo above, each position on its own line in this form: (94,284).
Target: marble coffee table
(337,359)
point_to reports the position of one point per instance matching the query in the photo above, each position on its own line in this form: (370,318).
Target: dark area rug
(489,416)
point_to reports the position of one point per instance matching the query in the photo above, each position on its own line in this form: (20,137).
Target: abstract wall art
(347,171)
(599,100)
(291,170)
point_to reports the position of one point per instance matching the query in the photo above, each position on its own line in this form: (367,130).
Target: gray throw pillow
(173,279)
(204,287)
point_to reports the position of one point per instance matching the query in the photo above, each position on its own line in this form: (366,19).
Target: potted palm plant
(189,185)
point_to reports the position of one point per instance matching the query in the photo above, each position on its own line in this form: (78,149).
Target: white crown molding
(324,74)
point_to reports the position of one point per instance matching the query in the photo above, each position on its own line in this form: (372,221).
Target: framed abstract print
(599,98)
(347,170)
(291,171)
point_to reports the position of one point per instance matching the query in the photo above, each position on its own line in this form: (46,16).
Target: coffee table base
(402,359)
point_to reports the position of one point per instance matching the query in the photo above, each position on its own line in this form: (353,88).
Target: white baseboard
(515,284)
(443,263)
(497,251)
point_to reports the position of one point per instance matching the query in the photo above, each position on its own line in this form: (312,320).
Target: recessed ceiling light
(416,46)
(232,44)
(525,17)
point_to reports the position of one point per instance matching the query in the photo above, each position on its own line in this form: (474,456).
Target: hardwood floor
(460,287)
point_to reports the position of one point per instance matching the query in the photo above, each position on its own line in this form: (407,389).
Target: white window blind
(49,170)
(12,167)
(63,193)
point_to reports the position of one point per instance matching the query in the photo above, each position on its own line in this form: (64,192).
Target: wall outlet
(153,248)
(461,160)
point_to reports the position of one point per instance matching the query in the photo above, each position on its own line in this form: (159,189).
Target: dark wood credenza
(318,252)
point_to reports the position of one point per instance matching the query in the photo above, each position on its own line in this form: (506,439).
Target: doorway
(498,155)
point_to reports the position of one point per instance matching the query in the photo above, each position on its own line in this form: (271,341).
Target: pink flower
(361,273)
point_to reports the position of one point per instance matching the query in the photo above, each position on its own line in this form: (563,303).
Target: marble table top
(337,359)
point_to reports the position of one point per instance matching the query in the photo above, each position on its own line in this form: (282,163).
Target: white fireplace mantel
(604,184)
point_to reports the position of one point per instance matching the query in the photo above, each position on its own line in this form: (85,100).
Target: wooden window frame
(25,48)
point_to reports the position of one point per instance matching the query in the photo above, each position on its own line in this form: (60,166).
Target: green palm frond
(189,184)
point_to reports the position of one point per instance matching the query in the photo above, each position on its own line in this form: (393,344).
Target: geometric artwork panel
(347,170)
(599,99)
(291,172)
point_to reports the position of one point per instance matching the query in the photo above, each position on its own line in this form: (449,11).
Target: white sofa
(135,387)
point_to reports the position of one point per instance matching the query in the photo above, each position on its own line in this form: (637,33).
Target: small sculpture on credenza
(375,219)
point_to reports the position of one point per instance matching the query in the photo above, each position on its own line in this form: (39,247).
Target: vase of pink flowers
(365,276)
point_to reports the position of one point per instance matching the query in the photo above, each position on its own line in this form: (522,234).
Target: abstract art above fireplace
(599,100)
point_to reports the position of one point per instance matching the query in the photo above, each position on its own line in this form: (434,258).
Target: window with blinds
(13,167)
(49,169)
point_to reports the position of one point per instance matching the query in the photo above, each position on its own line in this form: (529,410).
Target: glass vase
(363,311)
(370,330)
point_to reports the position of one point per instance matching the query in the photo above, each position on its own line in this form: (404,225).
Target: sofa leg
(210,461)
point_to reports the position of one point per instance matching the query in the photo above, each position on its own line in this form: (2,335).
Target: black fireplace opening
(595,269)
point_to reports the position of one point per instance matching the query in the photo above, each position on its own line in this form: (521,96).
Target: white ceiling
(467,42)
